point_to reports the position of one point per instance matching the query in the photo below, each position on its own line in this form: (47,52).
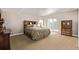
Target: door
(69,24)
(63,24)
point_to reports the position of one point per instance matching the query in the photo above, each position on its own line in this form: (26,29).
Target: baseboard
(16,34)
(74,35)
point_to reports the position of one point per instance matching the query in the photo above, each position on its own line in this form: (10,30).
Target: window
(52,24)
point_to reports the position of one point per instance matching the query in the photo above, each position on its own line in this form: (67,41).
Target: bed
(35,32)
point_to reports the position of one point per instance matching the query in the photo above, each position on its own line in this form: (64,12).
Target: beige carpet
(52,42)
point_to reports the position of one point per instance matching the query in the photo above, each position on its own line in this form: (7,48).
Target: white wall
(11,20)
(68,16)
(14,19)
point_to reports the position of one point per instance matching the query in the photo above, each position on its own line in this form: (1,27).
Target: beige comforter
(36,32)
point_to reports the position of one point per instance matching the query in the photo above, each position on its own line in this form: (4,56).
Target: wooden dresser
(66,27)
(4,36)
(5,40)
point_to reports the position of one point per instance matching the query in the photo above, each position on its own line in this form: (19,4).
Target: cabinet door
(1,42)
(63,24)
(6,41)
(69,24)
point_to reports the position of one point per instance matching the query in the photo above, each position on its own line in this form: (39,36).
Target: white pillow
(34,25)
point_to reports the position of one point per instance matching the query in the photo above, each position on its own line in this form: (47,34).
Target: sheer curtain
(52,24)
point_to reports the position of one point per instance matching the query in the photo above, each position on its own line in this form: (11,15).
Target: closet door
(63,27)
(63,24)
(69,24)
(69,27)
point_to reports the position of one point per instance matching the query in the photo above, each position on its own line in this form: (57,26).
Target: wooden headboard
(29,23)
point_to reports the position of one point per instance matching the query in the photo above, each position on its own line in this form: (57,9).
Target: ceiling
(38,11)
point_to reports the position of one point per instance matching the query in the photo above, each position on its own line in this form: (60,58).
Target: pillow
(34,25)
(29,25)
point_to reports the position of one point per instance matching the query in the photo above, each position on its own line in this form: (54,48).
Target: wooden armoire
(4,36)
(66,27)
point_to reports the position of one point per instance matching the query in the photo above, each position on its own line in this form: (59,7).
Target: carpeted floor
(52,42)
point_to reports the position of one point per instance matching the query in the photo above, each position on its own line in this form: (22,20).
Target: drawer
(69,32)
(1,42)
(7,41)
(63,31)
